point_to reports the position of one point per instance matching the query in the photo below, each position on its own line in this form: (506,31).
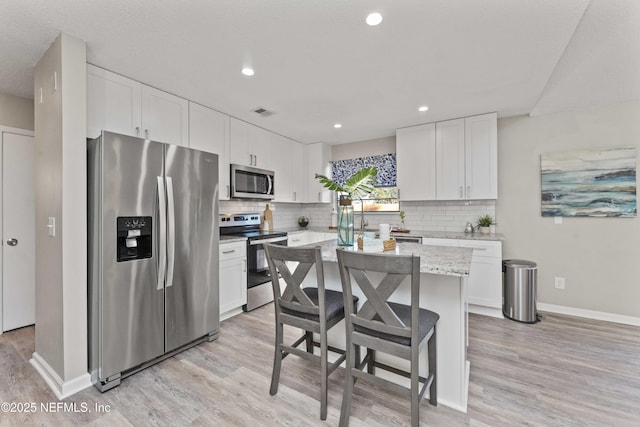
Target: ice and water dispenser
(134,238)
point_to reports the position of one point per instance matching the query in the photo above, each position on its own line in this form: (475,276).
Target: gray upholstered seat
(388,327)
(313,309)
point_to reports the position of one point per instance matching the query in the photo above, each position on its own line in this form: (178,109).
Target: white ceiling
(318,63)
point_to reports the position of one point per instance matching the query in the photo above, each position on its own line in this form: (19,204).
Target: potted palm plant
(356,186)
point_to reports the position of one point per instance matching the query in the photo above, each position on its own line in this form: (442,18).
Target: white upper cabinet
(122,105)
(450,156)
(450,160)
(250,145)
(287,163)
(318,156)
(481,161)
(113,103)
(165,117)
(416,162)
(209,131)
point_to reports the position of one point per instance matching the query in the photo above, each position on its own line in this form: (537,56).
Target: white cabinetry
(165,117)
(307,237)
(209,131)
(485,278)
(250,145)
(450,160)
(467,158)
(233,278)
(118,104)
(318,156)
(287,163)
(416,162)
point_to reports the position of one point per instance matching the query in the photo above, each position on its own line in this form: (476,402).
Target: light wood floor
(560,372)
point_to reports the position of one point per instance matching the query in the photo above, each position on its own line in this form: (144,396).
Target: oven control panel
(234,220)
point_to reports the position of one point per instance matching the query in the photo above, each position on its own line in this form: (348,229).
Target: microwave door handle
(270,184)
(171,232)
(162,233)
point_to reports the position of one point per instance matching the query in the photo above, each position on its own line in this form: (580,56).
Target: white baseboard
(62,389)
(589,314)
(485,311)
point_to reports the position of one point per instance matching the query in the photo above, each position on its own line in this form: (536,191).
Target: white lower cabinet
(233,278)
(307,237)
(485,278)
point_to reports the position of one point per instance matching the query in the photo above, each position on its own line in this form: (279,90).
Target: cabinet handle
(146,134)
(250,159)
(294,196)
(245,265)
(468,191)
(319,196)
(137,130)
(255,160)
(229,252)
(228,193)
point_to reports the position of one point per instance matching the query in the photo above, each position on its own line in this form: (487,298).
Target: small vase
(345,222)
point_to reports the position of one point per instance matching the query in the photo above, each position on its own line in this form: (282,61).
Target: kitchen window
(385,196)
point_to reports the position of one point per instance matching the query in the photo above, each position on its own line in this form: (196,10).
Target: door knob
(12,242)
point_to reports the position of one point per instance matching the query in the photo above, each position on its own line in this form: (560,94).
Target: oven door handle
(271,240)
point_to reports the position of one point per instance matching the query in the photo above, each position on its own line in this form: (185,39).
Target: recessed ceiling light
(337,126)
(247,71)
(374,19)
(423,108)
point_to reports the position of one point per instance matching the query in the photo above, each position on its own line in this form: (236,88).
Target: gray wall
(598,257)
(16,112)
(61,280)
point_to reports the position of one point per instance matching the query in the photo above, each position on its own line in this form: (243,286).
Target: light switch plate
(52,226)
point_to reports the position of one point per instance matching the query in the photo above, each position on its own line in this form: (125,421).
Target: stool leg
(371,360)
(433,369)
(309,341)
(277,359)
(415,389)
(324,371)
(345,410)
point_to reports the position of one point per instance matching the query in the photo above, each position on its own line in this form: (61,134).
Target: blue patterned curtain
(385,163)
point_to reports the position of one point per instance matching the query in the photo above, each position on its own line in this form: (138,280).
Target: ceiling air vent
(263,111)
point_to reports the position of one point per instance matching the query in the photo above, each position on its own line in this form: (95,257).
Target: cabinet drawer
(490,249)
(440,242)
(233,250)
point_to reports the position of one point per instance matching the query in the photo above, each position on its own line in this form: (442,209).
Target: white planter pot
(484,230)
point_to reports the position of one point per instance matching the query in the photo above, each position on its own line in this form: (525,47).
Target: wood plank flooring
(564,371)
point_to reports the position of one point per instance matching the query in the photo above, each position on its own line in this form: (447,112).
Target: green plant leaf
(356,186)
(359,185)
(330,184)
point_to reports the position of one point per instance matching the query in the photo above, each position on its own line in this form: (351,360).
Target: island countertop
(444,260)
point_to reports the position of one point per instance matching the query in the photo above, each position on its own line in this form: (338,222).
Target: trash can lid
(522,263)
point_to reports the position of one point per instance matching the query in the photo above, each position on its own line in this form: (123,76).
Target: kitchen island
(443,286)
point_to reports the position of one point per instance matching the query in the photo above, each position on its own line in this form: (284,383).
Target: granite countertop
(444,260)
(423,234)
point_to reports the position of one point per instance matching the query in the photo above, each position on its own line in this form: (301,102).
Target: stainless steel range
(259,290)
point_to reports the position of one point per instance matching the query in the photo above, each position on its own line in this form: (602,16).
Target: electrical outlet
(559,282)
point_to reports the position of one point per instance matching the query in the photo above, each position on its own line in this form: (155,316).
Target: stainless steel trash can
(519,289)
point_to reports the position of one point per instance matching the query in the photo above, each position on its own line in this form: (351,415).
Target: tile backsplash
(419,216)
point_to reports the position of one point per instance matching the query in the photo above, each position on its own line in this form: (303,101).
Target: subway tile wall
(419,216)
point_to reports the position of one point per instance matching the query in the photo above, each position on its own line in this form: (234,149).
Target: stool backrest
(293,298)
(376,314)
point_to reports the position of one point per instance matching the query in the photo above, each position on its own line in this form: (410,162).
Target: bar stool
(383,326)
(313,309)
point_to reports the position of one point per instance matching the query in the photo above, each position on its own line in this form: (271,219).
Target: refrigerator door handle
(162,233)
(171,232)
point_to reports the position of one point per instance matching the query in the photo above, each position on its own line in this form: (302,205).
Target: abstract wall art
(594,183)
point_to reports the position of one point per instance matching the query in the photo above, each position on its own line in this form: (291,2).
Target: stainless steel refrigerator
(153,253)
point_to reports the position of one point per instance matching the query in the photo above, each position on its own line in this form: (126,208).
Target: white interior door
(18,231)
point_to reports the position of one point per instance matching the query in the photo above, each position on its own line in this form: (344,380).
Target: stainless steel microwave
(251,183)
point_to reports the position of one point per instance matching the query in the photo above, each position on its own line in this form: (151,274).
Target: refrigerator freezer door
(191,299)
(130,305)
